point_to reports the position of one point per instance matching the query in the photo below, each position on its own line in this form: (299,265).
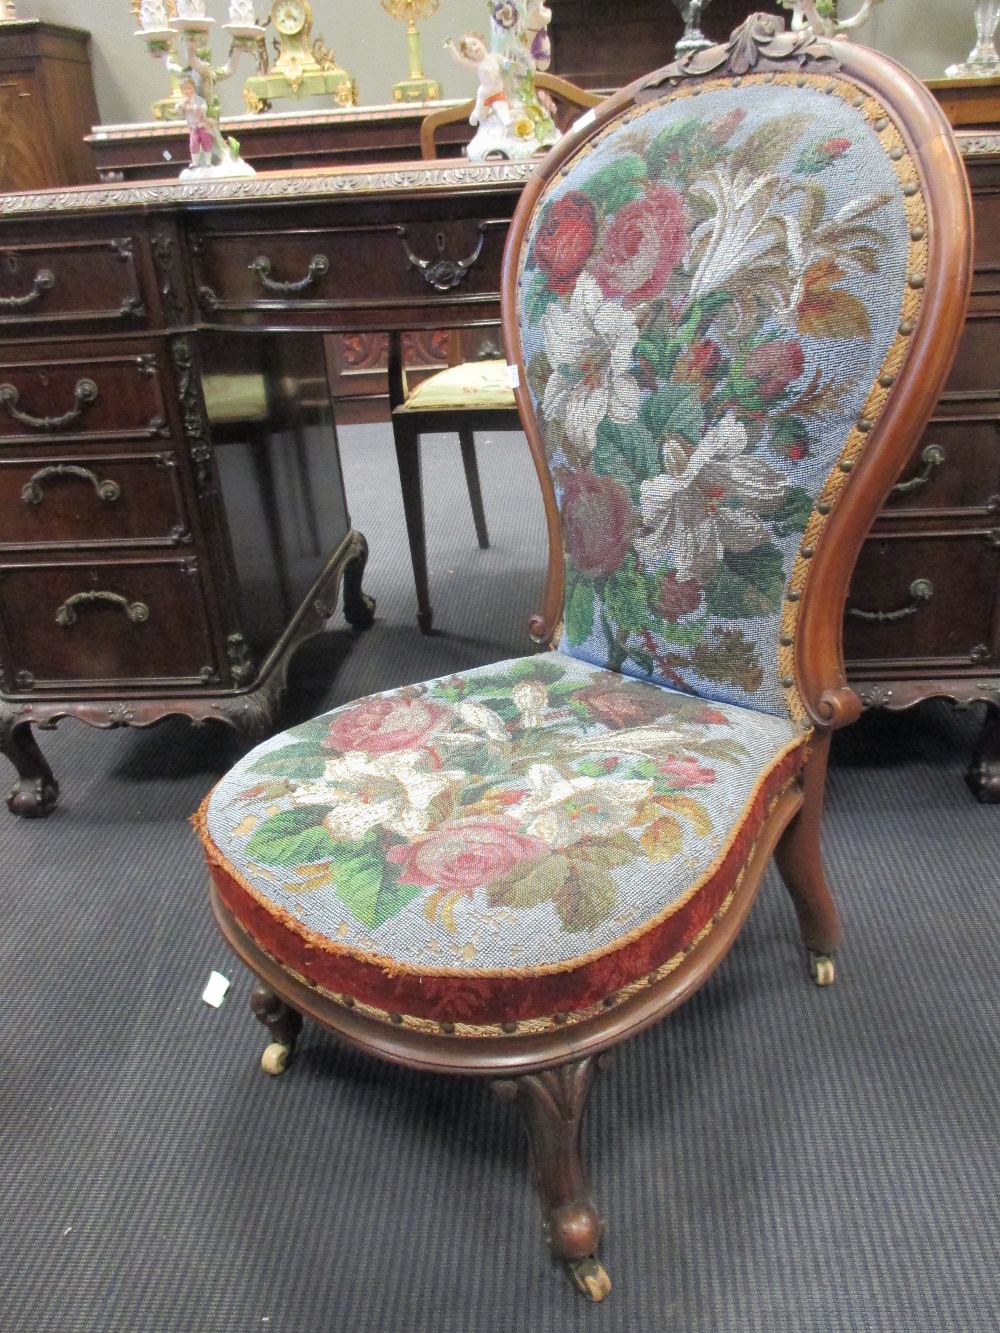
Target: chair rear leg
(467,440)
(552,1103)
(799,859)
(408,460)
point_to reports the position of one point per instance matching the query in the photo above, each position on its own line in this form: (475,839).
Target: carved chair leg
(36,791)
(283,1023)
(800,861)
(983,776)
(359,608)
(408,460)
(467,440)
(552,1104)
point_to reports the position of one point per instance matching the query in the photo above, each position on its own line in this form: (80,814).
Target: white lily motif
(531,699)
(688,506)
(562,810)
(394,791)
(589,346)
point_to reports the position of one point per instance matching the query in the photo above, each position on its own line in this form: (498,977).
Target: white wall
(927,35)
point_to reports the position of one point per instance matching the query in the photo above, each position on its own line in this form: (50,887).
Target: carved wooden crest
(760,43)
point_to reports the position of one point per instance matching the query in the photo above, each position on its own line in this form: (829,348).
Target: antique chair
(731,301)
(469,395)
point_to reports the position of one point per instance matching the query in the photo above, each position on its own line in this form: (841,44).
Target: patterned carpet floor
(773,1158)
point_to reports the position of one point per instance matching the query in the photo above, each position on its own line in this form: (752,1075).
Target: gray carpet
(772,1158)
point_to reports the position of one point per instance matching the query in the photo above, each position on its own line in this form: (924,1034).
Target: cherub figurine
(491,95)
(821,16)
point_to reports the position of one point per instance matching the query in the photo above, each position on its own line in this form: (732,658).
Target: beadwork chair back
(729,298)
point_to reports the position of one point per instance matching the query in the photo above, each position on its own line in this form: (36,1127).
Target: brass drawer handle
(84,393)
(921,591)
(44,281)
(32,493)
(441,273)
(933,456)
(137,612)
(318,265)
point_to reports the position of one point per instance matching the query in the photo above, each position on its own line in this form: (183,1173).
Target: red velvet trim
(470,998)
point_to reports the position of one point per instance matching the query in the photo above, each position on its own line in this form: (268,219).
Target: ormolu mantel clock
(303,66)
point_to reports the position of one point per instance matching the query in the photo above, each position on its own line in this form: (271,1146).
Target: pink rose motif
(834,148)
(685,772)
(624,704)
(722,128)
(677,597)
(597,522)
(382,726)
(776,364)
(565,239)
(465,854)
(645,242)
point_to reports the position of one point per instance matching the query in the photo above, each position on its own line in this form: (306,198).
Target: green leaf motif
(292,837)
(625,597)
(670,152)
(763,148)
(300,760)
(629,453)
(530,884)
(367,886)
(586,898)
(617,183)
(794,513)
(748,584)
(673,410)
(580,611)
(539,372)
(540,296)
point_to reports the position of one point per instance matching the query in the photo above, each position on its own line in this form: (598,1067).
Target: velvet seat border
(494,1001)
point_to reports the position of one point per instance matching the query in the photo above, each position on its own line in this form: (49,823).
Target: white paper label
(167,155)
(586,119)
(215,992)
(514,376)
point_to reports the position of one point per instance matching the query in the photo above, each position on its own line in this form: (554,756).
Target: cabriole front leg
(283,1023)
(36,791)
(983,776)
(552,1104)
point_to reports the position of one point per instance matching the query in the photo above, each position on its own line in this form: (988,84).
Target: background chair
(506,872)
(471,395)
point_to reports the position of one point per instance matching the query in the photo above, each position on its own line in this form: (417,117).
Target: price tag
(215,992)
(514,377)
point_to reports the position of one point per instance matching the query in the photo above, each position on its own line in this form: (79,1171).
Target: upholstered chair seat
(730,303)
(473,385)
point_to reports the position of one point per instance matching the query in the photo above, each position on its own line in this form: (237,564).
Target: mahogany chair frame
(548,1075)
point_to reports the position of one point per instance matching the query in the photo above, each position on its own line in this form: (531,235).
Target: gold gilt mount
(303,66)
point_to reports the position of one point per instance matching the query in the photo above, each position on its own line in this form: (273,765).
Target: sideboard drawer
(241,274)
(924,600)
(108,622)
(975,372)
(955,467)
(82,398)
(92,500)
(81,281)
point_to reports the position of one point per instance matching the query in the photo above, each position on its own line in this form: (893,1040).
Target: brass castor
(590,1276)
(822,968)
(275,1058)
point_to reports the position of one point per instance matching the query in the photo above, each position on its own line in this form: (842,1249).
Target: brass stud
(801,83)
(858,101)
(907,327)
(559,1018)
(847,466)
(917,234)
(651,979)
(448,1028)
(348,1001)
(609,1000)
(787,682)
(881,124)
(916,281)
(910,189)
(887,381)
(794,596)
(689,947)
(718,917)
(864,425)
(896,154)
(508,1027)
(396,1018)
(737,81)
(807,552)
(824,507)
(786,640)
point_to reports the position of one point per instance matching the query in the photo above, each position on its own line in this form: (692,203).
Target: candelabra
(693,39)
(417,87)
(166,25)
(983,61)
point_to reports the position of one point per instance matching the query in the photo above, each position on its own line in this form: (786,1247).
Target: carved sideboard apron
(172,516)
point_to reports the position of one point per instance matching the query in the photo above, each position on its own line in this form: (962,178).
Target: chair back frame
(760,48)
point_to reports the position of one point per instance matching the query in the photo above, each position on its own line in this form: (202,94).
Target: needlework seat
(732,301)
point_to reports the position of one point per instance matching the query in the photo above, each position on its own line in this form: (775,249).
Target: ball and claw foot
(590,1277)
(822,968)
(275,1058)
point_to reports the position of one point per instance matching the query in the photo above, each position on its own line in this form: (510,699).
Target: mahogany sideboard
(157,554)
(173,517)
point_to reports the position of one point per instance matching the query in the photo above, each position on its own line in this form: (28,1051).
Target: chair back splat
(732,301)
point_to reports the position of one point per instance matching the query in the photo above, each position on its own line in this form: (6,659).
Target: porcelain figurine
(821,16)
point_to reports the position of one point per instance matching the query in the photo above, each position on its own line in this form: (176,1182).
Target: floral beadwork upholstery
(707,297)
(507,844)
